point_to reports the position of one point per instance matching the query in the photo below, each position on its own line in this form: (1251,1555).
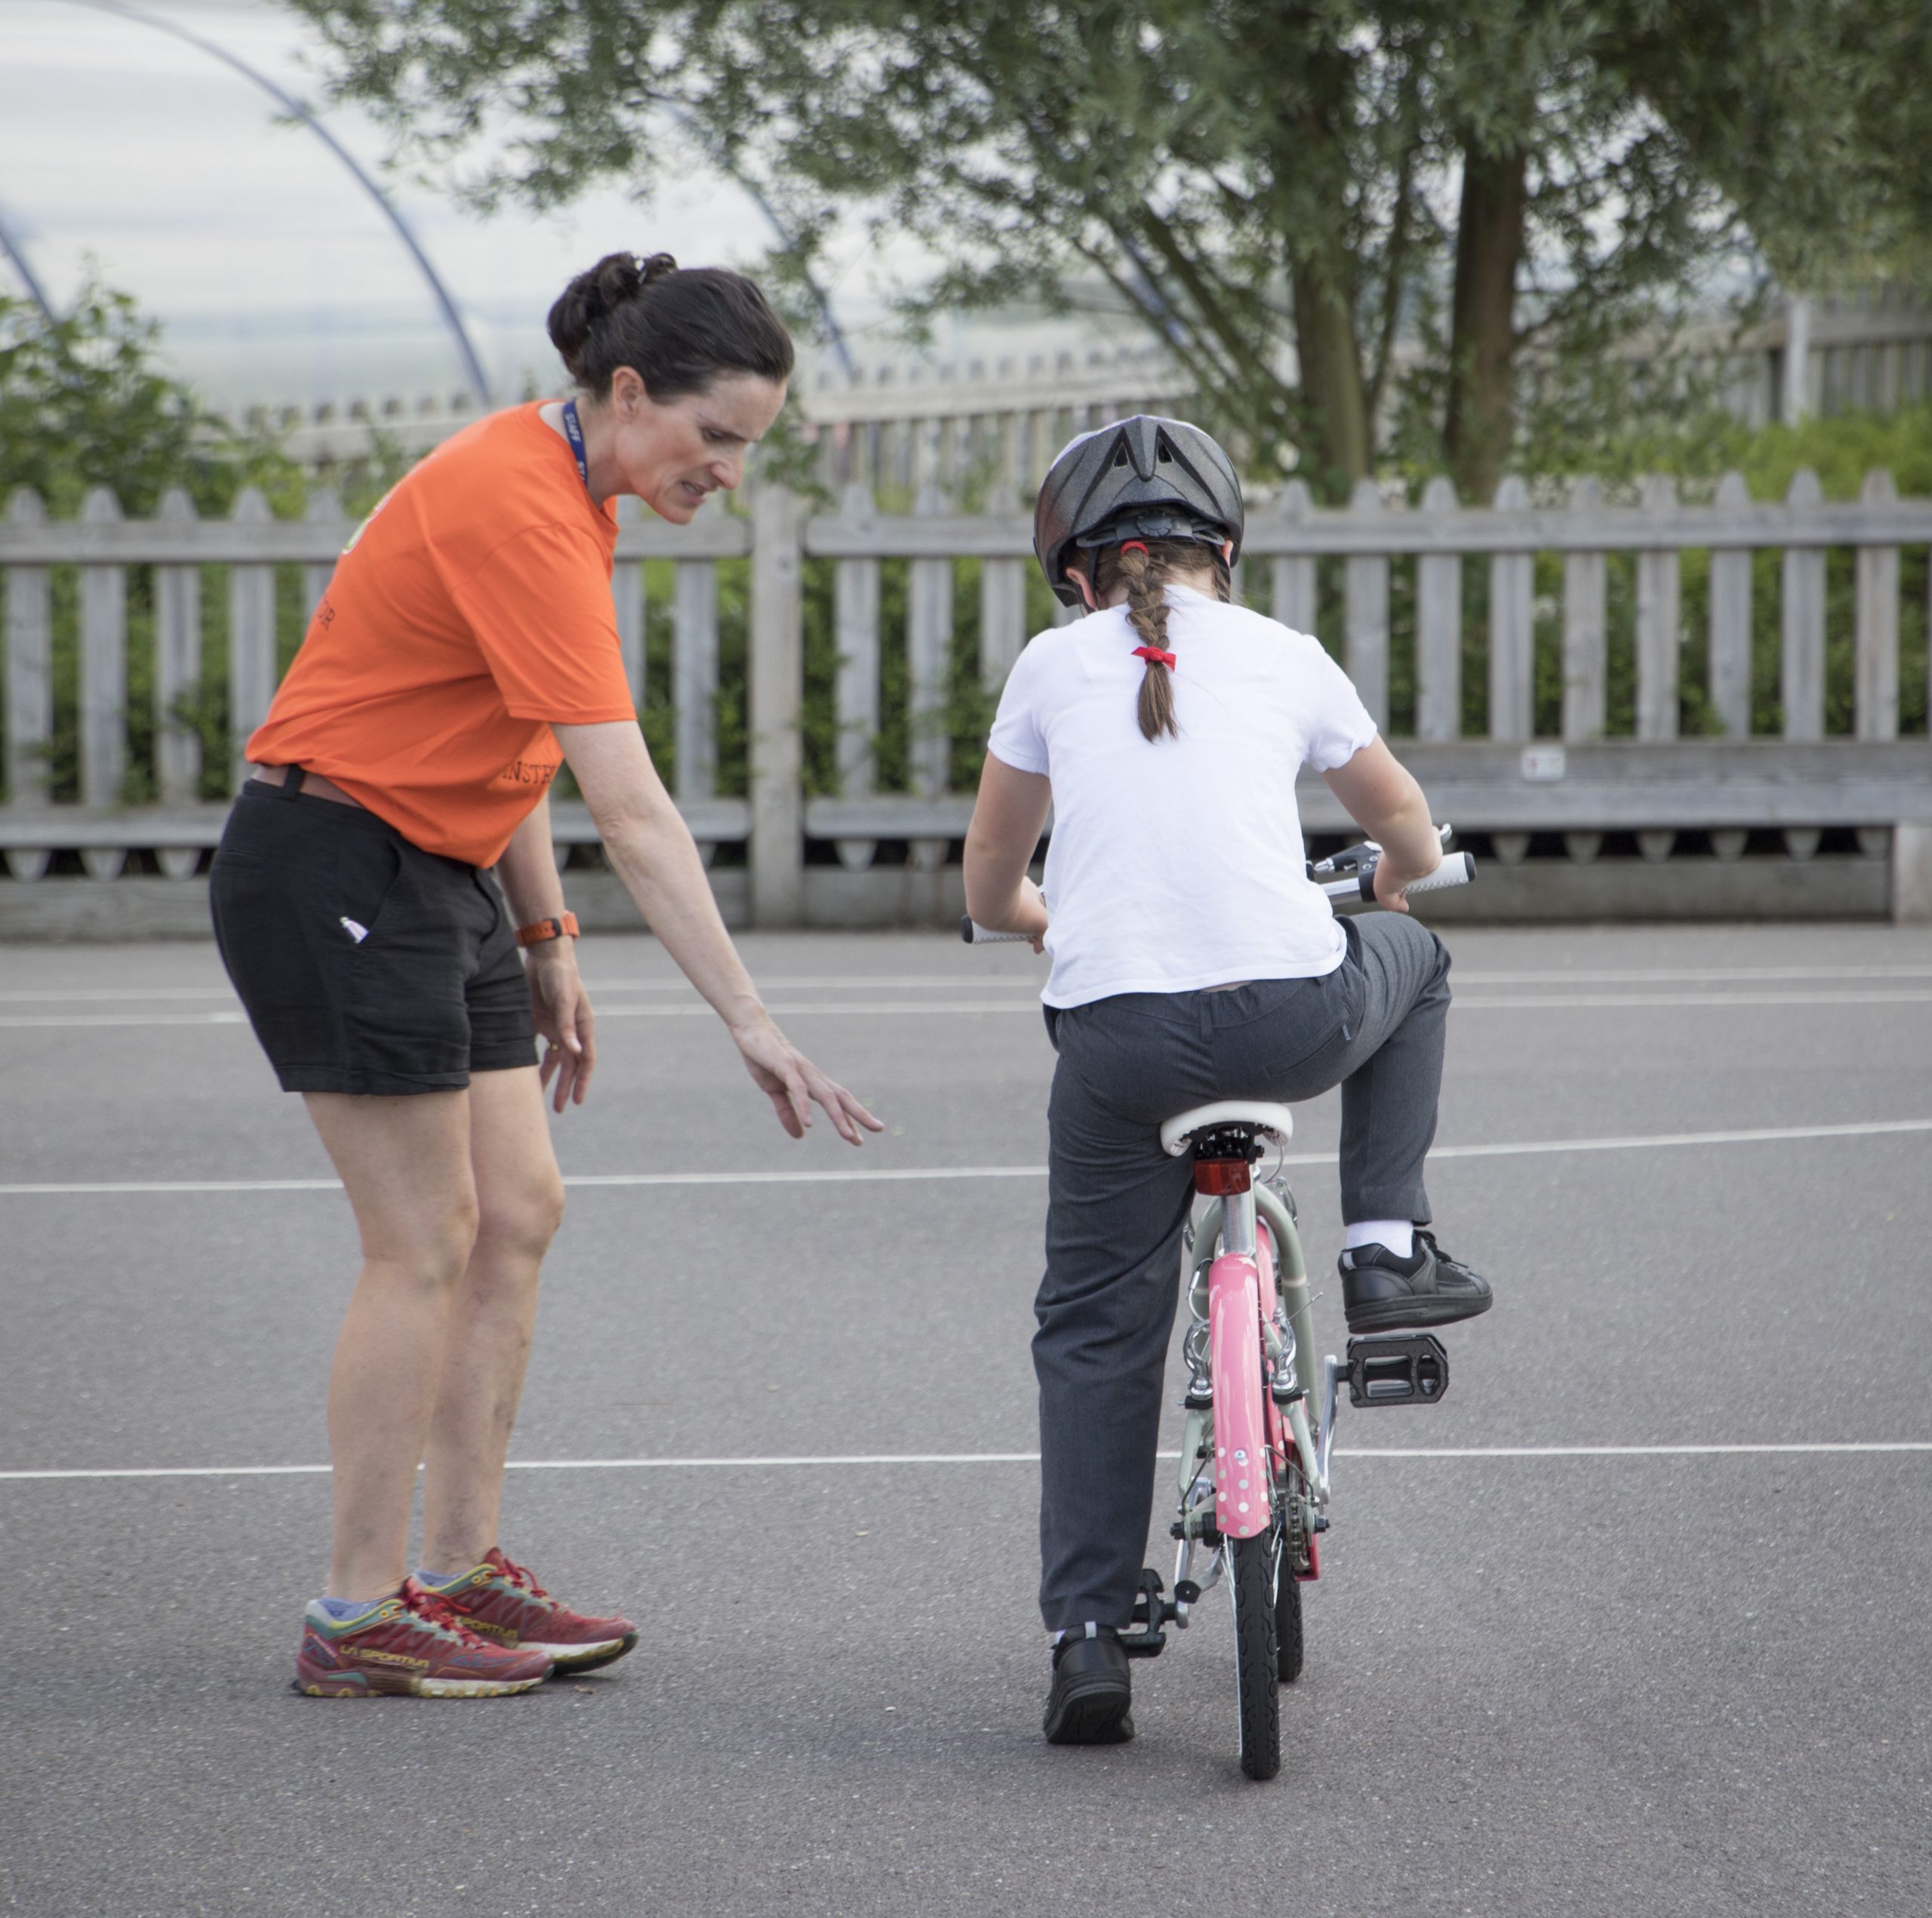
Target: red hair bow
(1155,652)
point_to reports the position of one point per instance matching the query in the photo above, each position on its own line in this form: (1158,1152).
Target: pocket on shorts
(364,878)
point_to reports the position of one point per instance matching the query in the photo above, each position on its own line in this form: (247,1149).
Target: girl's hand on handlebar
(1032,917)
(561,1008)
(1391,882)
(791,1082)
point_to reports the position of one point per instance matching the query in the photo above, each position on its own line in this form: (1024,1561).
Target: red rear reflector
(1218,1177)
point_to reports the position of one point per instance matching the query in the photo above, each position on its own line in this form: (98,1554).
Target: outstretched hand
(561,1009)
(791,1082)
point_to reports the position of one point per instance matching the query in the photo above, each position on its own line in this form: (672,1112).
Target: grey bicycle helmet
(1147,478)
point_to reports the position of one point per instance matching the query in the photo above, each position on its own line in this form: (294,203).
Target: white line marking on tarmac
(788,1461)
(1521,1002)
(1565,1001)
(70,1021)
(926,982)
(856,1175)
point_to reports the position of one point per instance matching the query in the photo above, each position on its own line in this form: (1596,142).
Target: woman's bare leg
(521,1200)
(406,1164)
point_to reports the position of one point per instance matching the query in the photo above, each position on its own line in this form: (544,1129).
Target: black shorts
(366,963)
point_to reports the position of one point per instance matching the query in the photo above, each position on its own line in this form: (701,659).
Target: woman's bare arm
(528,872)
(652,850)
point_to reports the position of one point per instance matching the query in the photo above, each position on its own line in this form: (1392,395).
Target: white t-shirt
(1177,863)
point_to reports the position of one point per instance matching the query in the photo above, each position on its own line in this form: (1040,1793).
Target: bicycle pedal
(1151,1611)
(1398,1369)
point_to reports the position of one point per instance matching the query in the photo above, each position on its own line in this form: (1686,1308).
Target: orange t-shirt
(470,611)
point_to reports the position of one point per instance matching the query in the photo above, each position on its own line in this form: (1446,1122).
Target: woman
(1192,960)
(466,645)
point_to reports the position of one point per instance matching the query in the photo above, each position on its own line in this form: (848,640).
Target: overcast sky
(277,278)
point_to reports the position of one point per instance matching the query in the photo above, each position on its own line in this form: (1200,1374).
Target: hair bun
(617,278)
(677,328)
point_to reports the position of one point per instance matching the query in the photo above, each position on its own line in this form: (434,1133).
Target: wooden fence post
(251,674)
(1658,639)
(1439,628)
(1731,623)
(1367,617)
(103,686)
(29,685)
(177,677)
(1877,703)
(1911,873)
(1802,674)
(1585,643)
(1002,605)
(1584,627)
(1292,587)
(695,682)
(928,651)
(777,685)
(855,636)
(1512,656)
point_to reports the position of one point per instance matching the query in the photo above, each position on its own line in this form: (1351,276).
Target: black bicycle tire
(1256,1654)
(1288,1640)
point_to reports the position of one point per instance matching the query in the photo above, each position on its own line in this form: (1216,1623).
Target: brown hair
(1144,567)
(679,327)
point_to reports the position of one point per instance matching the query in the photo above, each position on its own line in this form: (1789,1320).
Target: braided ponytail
(1144,568)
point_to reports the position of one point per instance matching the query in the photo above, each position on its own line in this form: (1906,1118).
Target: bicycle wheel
(1256,1655)
(1287,1622)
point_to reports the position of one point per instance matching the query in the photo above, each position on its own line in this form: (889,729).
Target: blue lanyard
(573,431)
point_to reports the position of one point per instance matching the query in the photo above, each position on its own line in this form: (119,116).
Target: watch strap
(539,932)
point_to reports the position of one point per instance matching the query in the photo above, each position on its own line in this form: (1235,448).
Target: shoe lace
(522,1575)
(437,1613)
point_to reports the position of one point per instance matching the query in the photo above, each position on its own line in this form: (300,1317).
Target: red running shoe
(412,1644)
(502,1601)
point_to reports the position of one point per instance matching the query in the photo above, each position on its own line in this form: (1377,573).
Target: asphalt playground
(1634,1623)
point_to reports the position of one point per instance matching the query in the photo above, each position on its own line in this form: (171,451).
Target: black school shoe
(1092,1691)
(1381,1293)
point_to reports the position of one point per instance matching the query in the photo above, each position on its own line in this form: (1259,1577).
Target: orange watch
(538,930)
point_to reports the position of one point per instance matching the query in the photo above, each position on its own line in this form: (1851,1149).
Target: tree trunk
(1331,384)
(1482,340)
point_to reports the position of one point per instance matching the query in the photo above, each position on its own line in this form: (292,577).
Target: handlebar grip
(1456,869)
(974,934)
(1358,889)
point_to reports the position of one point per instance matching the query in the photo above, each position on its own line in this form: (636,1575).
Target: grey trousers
(1117,1203)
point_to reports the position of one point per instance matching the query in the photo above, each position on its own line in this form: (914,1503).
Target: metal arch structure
(10,246)
(820,298)
(472,365)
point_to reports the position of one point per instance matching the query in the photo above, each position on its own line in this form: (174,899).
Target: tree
(85,401)
(1345,175)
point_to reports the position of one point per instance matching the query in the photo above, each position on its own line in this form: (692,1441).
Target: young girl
(1192,960)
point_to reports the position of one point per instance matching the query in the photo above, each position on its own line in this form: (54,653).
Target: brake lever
(1364,854)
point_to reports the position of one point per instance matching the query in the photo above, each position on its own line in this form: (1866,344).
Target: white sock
(1398,1235)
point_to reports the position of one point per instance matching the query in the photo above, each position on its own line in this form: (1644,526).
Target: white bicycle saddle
(1272,1121)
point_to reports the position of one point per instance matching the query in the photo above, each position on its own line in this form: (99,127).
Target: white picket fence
(1508,785)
